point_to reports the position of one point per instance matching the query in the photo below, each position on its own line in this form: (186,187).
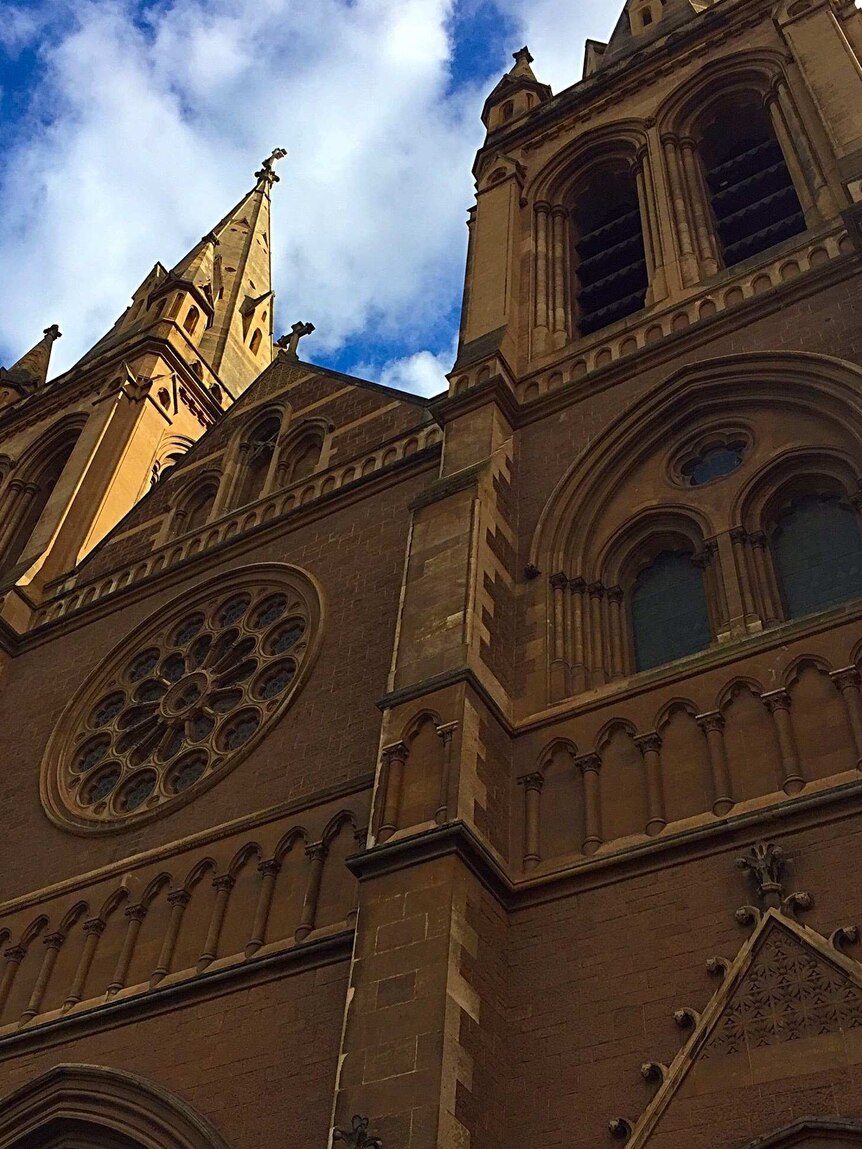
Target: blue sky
(129,127)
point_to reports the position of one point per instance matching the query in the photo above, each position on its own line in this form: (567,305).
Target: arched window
(196,510)
(30,500)
(817,551)
(610,264)
(257,455)
(255,341)
(190,323)
(669,613)
(304,458)
(753,199)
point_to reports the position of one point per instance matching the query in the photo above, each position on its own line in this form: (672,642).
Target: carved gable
(790,1004)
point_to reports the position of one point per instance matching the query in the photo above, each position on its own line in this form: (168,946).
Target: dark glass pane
(818,556)
(712,464)
(669,612)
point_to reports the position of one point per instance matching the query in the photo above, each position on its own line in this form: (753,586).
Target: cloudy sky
(128,128)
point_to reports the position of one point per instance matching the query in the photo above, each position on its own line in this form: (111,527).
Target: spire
(31,370)
(517,92)
(236,257)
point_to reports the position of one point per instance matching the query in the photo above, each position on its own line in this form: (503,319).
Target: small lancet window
(255,341)
(610,265)
(669,613)
(817,551)
(753,197)
(258,453)
(190,323)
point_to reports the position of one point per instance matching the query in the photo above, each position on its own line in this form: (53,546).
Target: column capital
(446,732)
(559,211)
(15,953)
(649,743)
(316,851)
(559,581)
(589,763)
(55,940)
(395,750)
(95,926)
(179,898)
(758,540)
(542,207)
(137,913)
(776,700)
(596,590)
(269,867)
(534,781)
(669,139)
(577,585)
(224,882)
(711,721)
(847,678)
(739,535)
(615,594)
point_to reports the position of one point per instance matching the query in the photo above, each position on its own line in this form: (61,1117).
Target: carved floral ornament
(182,700)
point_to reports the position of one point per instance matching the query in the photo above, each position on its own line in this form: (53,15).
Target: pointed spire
(31,370)
(517,92)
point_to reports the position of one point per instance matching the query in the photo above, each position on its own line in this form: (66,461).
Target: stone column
(577,587)
(650,748)
(848,682)
(223,885)
(559,676)
(560,316)
(712,725)
(701,209)
(598,675)
(681,216)
(589,766)
(778,704)
(739,538)
(445,734)
(808,178)
(532,784)
(394,758)
(615,610)
(269,870)
(13,957)
(93,930)
(53,943)
(135,916)
(316,854)
(177,900)
(542,280)
(19,496)
(767,589)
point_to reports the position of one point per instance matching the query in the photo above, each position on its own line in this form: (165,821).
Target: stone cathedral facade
(476,771)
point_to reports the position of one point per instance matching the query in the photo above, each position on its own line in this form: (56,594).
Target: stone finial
(289,344)
(522,57)
(357,1136)
(53,332)
(766,863)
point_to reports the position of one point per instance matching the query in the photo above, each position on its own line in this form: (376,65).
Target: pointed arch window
(190,323)
(257,455)
(610,266)
(816,547)
(26,499)
(256,338)
(754,201)
(669,611)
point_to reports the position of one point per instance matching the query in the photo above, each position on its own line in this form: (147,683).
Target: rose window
(181,701)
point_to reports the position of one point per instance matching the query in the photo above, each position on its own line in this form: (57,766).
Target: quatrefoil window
(182,700)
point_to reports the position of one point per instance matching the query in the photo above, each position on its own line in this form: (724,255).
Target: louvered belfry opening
(610,264)
(753,198)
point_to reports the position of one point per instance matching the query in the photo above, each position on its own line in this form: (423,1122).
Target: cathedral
(476,771)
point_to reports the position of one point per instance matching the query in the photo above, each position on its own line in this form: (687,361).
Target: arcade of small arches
(266,456)
(730,157)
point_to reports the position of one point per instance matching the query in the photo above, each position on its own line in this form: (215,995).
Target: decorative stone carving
(686,1018)
(620,1128)
(766,864)
(357,1136)
(789,992)
(843,936)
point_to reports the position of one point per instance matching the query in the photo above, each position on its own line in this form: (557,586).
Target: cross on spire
(290,343)
(266,168)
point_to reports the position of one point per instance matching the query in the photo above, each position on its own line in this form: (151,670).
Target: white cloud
(148,122)
(423,373)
